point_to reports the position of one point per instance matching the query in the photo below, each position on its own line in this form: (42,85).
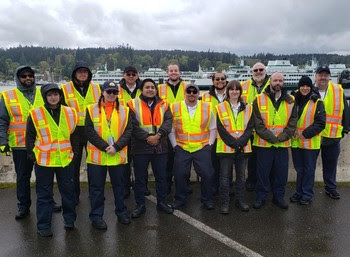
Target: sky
(243,27)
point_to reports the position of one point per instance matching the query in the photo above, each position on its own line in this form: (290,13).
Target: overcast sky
(243,27)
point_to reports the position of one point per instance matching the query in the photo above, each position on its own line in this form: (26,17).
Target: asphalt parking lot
(320,229)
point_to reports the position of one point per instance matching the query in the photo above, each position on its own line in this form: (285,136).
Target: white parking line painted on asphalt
(212,232)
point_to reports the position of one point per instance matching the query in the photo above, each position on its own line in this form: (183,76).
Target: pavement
(319,229)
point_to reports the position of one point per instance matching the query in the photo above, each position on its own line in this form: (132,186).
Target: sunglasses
(131,74)
(27,75)
(193,91)
(256,70)
(114,92)
(218,79)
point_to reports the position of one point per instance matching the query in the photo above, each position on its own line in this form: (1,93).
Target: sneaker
(304,202)
(333,194)
(99,224)
(21,214)
(124,219)
(45,232)
(138,211)
(280,203)
(69,226)
(295,198)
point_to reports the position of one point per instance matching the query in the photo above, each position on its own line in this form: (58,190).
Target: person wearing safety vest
(337,125)
(215,95)
(306,141)
(192,137)
(172,91)
(49,130)
(275,122)
(152,122)
(108,129)
(235,125)
(78,94)
(128,89)
(15,105)
(250,89)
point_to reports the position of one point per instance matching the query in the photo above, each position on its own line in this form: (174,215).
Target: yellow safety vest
(52,146)
(206,97)
(116,128)
(334,106)
(275,120)
(150,122)
(233,125)
(249,92)
(18,107)
(306,119)
(124,97)
(192,133)
(165,92)
(75,100)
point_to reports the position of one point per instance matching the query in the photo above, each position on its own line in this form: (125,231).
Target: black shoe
(138,211)
(126,193)
(165,208)
(208,205)
(124,219)
(280,203)
(69,226)
(333,194)
(147,192)
(177,205)
(295,198)
(21,214)
(56,208)
(45,232)
(99,224)
(305,202)
(258,204)
(242,206)
(250,186)
(224,209)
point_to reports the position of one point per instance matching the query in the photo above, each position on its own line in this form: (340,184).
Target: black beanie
(305,80)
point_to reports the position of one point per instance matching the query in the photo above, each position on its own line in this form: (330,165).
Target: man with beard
(337,124)
(275,123)
(172,91)
(78,94)
(215,95)
(251,88)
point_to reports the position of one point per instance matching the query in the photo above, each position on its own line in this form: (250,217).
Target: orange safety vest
(75,100)
(233,125)
(148,121)
(192,133)
(18,107)
(52,146)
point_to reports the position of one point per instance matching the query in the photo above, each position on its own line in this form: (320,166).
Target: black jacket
(229,140)
(260,126)
(98,142)
(123,85)
(139,144)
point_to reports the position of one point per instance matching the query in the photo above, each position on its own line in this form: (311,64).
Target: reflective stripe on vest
(18,107)
(274,120)
(334,106)
(206,97)
(306,119)
(124,97)
(235,126)
(118,122)
(192,133)
(52,146)
(75,100)
(148,121)
(167,95)
(249,92)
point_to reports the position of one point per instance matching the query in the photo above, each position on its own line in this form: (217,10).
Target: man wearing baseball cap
(337,124)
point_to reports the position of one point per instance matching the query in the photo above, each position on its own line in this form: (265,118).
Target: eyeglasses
(114,92)
(218,79)
(27,75)
(193,91)
(260,69)
(131,74)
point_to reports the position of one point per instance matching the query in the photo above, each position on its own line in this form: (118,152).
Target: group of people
(127,126)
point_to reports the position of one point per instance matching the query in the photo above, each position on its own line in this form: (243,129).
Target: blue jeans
(304,161)
(97,179)
(159,162)
(44,191)
(23,168)
(330,154)
(272,165)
